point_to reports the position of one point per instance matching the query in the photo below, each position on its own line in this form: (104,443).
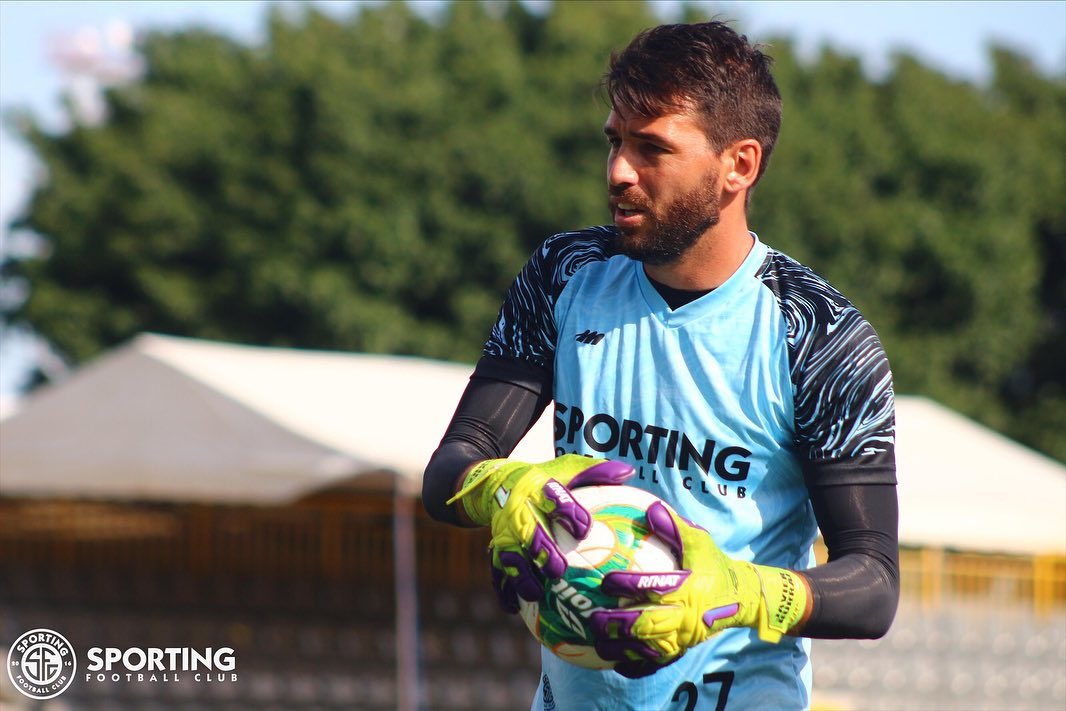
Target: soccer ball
(618,539)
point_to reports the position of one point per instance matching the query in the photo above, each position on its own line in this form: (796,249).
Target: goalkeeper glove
(519,500)
(675,612)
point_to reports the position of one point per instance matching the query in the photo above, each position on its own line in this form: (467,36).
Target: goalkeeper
(693,360)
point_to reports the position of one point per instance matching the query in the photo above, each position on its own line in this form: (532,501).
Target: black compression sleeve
(501,403)
(856,592)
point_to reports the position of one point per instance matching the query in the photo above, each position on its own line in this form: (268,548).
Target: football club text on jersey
(654,445)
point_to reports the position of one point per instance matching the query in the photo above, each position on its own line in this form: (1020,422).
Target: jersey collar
(741,279)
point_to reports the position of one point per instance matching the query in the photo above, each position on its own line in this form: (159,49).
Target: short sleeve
(525,328)
(842,383)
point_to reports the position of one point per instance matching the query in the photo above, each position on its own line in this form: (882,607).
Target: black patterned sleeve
(525,329)
(843,396)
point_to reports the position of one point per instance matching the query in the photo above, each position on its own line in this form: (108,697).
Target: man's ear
(741,163)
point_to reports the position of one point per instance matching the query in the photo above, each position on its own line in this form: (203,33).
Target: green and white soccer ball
(618,539)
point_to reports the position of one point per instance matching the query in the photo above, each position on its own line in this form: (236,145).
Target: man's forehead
(667,122)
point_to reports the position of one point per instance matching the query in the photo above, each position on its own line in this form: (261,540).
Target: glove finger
(612,631)
(605,473)
(542,547)
(504,587)
(619,650)
(662,524)
(568,513)
(525,581)
(642,586)
(639,669)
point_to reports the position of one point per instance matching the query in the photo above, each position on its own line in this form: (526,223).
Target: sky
(34,34)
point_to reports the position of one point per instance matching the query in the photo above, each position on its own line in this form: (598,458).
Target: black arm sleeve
(501,403)
(855,594)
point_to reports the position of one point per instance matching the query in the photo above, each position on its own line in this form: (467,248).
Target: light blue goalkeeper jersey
(724,406)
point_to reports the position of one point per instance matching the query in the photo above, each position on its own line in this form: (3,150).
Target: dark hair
(707,67)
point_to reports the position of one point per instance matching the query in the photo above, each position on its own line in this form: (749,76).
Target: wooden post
(1049,580)
(932,577)
(407,686)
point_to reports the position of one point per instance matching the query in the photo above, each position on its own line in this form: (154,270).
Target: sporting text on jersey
(652,444)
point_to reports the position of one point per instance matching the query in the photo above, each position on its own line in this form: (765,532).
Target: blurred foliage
(937,207)
(373,183)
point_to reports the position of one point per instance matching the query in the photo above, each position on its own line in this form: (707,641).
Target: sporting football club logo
(41,664)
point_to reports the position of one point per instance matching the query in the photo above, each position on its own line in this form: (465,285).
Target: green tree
(927,201)
(1035,391)
(370,183)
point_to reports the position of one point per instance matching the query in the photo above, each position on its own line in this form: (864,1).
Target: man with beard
(696,362)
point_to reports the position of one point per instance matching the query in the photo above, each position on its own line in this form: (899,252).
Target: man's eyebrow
(642,135)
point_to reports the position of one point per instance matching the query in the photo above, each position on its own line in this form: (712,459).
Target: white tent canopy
(165,418)
(963,485)
(168,418)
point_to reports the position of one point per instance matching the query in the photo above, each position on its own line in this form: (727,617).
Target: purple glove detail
(661,524)
(720,613)
(613,632)
(554,564)
(604,473)
(525,583)
(637,585)
(620,622)
(568,513)
(503,585)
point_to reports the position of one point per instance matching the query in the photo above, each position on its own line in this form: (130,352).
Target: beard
(673,229)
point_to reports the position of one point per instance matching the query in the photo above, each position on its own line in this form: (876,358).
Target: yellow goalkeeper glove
(675,612)
(518,500)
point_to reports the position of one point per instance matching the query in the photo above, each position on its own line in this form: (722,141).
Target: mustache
(629,195)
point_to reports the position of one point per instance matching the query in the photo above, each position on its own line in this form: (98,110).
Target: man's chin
(642,251)
(631,242)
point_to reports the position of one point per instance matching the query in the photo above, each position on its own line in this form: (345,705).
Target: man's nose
(620,170)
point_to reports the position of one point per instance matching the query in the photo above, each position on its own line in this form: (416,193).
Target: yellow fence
(935,577)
